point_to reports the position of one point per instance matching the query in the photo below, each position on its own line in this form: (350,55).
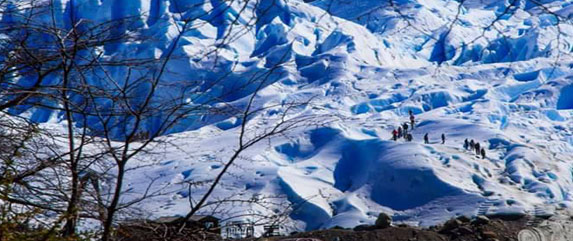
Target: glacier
(507,85)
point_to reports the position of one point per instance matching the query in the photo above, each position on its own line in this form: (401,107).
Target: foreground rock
(462,228)
(383,221)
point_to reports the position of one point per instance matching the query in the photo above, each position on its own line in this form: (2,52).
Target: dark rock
(489,235)
(508,216)
(383,221)
(450,225)
(363,227)
(465,230)
(481,220)
(464,219)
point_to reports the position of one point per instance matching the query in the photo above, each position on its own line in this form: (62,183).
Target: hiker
(443,138)
(472,145)
(478,149)
(399,131)
(412,121)
(410,137)
(426,139)
(483,153)
(395,135)
(466,144)
(405,127)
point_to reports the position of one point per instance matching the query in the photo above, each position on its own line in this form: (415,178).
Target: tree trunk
(107,227)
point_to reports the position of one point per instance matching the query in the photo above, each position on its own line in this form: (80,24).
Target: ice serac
(270,36)
(157,10)
(512,50)
(181,6)
(442,51)
(91,10)
(127,16)
(268,10)
(566,98)
(10,15)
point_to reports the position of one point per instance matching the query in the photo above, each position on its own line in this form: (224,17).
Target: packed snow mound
(346,173)
(370,63)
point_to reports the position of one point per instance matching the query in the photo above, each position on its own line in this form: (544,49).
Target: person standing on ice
(409,137)
(399,131)
(483,153)
(412,121)
(405,126)
(478,149)
(466,144)
(443,138)
(395,135)
(472,145)
(426,139)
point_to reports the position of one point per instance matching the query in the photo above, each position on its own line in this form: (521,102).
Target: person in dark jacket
(399,131)
(412,121)
(472,145)
(478,150)
(443,138)
(466,144)
(426,139)
(483,153)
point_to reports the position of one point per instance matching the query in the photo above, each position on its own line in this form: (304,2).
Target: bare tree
(42,51)
(107,101)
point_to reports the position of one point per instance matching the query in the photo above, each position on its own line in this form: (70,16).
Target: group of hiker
(402,131)
(474,146)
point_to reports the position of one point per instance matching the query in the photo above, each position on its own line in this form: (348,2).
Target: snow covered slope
(345,174)
(509,87)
